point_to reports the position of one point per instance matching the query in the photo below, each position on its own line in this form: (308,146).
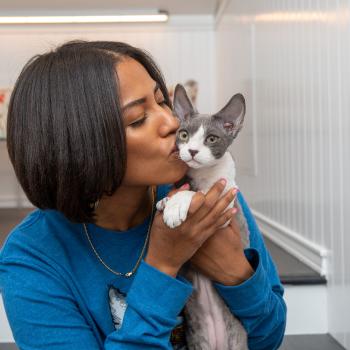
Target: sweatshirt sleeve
(258,302)
(43,314)
(155,299)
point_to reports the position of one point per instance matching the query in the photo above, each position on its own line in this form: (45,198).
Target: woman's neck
(126,208)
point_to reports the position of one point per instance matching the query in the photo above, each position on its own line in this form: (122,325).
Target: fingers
(211,198)
(234,224)
(207,212)
(196,203)
(220,206)
(225,220)
(226,216)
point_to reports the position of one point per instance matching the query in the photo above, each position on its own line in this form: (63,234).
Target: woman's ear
(182,104)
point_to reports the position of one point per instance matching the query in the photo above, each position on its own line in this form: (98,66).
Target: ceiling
(174,7)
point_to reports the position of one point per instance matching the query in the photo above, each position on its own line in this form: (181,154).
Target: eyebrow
(139,101)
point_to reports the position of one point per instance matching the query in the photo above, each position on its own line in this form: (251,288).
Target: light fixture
(161,16)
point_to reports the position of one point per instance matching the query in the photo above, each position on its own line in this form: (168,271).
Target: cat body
(210,323)
(203,142)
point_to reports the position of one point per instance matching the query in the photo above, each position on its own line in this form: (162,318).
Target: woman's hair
(65,132)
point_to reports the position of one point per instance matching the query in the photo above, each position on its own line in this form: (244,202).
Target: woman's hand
(221,258)
(169,248)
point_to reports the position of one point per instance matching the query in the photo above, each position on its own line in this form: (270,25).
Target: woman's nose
(169,124)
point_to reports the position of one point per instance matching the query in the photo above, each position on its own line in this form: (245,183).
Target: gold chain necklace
(130,273)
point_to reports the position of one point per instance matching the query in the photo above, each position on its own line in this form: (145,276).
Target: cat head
(203,139)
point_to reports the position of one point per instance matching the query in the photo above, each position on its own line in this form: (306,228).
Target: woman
(91,137)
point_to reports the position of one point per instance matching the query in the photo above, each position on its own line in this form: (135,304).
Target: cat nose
(192,152)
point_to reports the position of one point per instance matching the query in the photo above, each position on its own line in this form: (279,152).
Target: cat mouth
(193,161)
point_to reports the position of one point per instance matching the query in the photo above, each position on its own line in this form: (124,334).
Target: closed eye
(138,122)
(143,118)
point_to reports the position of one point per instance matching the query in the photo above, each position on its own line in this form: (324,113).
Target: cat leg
(176,208)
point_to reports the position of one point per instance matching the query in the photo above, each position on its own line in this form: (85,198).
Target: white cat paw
(176,208)
(162,203)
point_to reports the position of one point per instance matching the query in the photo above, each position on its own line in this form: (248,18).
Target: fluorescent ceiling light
(160,17)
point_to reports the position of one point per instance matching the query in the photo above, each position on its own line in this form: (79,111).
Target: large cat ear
(232,115)
(182,104)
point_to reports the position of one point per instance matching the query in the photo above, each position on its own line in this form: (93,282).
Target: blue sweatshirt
(56,292)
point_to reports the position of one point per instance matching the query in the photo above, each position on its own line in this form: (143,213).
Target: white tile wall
(291,60)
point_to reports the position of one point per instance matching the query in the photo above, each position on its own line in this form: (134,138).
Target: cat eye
(212,139)
(183,135)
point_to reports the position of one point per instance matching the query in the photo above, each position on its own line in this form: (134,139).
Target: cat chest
(203,181)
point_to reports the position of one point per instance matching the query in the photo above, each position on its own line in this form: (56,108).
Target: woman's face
(150,129)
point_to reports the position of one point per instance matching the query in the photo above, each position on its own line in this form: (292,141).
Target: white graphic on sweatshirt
(118,305)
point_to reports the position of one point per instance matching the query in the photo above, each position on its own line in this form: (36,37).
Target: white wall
(291,60)
(183,48)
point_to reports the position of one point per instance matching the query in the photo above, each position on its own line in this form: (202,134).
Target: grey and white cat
(203,142)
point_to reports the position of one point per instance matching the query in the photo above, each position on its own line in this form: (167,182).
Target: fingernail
(234,191)
(223,181)
(234,210)
(184,187)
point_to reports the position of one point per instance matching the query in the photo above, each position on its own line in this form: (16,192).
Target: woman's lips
(174,149)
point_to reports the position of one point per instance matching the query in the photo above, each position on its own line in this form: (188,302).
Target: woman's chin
(177,174)
(170,174)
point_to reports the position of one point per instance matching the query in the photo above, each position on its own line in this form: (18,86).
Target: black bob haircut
(65,132)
